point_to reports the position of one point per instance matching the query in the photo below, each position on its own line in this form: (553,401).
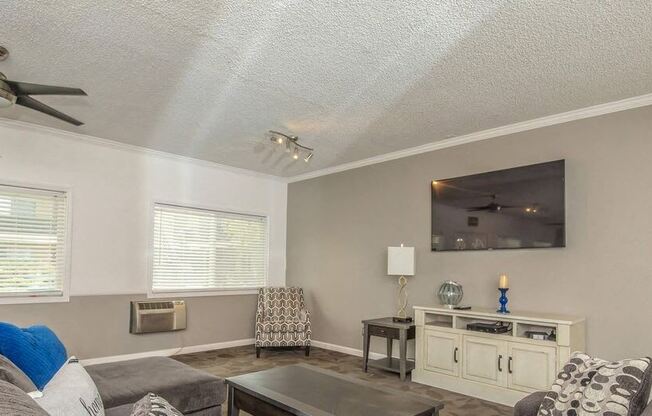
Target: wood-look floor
(242,360)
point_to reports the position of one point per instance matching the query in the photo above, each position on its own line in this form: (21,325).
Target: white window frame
(200,292)
(65,289)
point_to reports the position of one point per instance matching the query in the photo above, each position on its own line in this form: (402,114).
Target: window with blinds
(33,240)
(204,250)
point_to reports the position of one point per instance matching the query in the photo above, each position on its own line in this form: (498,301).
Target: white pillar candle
(503,283)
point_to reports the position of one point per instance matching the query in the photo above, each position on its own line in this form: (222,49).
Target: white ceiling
(353,79)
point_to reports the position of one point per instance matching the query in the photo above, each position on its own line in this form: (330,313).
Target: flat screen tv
(514,208)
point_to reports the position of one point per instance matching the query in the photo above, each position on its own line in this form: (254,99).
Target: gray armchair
(282,319)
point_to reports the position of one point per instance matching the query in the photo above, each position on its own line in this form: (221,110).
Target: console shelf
(503,367)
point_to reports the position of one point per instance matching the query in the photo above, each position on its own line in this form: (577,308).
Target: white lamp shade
(400,261)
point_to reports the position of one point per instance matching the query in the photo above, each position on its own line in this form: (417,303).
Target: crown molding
(587,112)
(573,115)
(112,144)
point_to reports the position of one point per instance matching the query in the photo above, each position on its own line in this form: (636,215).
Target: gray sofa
(529,406)
(191,391)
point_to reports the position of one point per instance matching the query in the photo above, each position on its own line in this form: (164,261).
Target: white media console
(501,368)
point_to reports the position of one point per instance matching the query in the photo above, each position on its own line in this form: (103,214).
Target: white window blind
(204,250)
(33,239)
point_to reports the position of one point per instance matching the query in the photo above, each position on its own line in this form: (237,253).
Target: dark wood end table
(387,328)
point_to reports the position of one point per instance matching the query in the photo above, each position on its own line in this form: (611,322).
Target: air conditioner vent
(157,316)
(155,305)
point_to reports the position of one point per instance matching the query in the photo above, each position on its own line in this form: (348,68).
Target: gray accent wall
(340,225)
(98,326)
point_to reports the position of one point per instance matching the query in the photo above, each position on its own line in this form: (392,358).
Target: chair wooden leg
(258,352)
(307,350)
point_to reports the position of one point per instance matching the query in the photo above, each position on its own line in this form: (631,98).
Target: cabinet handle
(509,365)
(455,354)
(500,360)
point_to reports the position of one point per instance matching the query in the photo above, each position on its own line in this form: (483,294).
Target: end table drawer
(380,331)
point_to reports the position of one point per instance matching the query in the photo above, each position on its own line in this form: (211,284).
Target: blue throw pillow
(35,350)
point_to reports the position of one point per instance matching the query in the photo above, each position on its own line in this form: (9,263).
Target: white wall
(113,188)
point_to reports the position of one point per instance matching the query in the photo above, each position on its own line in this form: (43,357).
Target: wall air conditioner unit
(157,316)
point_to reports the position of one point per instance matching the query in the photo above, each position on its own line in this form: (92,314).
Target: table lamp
(400,262)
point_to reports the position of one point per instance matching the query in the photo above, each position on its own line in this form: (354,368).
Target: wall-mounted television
(521,207)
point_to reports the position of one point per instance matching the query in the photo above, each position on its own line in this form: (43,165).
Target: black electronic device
(490,327)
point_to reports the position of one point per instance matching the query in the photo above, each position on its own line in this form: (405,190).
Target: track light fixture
(292,145)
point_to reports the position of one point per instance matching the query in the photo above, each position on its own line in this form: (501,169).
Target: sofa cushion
(71,392)
(14,375)
(588,385)
(35,350)
(186,388)
(15,402)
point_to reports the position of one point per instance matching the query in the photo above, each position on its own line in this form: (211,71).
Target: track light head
(292,145)
(276,138)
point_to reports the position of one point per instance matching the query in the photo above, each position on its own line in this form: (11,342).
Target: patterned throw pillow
(591,386)
(153,405)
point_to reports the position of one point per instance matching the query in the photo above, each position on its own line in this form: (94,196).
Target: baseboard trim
(219,346)
(169,352)
(350,351)
(338,348)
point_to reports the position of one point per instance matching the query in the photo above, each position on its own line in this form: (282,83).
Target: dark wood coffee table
(305,390)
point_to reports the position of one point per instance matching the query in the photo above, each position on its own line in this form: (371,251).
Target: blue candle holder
(503,301)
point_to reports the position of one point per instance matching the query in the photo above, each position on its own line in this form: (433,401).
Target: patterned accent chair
(282,319)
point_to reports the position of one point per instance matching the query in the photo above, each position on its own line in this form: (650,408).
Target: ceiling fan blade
(29,102)
(473,209)
(25,88)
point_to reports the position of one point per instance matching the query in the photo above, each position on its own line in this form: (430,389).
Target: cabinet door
(441,352)
(485,360)
(532,367)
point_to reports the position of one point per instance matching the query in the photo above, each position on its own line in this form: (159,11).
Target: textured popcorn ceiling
(354,79)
